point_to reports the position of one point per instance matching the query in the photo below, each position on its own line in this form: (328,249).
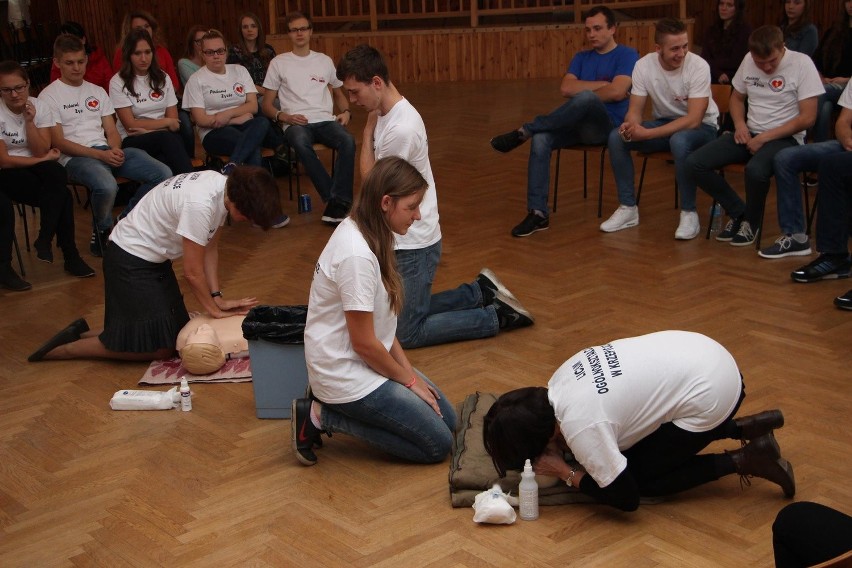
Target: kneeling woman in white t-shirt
(635,413)
(361,381)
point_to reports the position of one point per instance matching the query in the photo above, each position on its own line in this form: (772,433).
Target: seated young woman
(362,383)
(146,104)
(142,20)
(252,51)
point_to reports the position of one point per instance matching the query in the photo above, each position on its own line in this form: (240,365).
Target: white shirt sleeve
(356,281)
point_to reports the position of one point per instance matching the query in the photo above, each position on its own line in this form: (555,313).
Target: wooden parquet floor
(81,485)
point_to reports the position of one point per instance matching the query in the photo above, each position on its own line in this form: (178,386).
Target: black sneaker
(745,235)
(335,212)
(727,234)
(44,251)
(76,266)
(489,285)
(510,313)
(303,433)
(532,222)
(10,280)
(508,142)
(786,245)
(823,267)
(97,245)
(844,302)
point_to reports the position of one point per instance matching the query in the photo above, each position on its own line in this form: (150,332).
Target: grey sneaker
(786,245)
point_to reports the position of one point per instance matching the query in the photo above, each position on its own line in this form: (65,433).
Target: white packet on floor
(145,400)
(492,507)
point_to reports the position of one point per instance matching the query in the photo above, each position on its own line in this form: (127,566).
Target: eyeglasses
(212,52)
(19,89)
(303,29)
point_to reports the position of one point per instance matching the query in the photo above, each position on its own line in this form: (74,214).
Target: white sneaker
(689,226)
(623,218)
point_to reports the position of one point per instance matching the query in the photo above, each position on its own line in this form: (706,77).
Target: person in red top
(98,70)
(140,19)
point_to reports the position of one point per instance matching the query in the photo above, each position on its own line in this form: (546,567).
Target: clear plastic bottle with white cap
(528,494)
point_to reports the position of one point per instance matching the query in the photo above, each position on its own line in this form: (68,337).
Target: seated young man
(596,85)
(789,164)
(685,118)
(782,87)
(85,133)
(635,413)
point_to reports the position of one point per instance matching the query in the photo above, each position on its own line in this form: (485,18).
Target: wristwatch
(569,481)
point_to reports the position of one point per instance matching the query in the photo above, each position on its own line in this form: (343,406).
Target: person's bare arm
(368,152)
(843,128)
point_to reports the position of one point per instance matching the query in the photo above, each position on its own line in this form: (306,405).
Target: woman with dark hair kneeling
(362,383)
(635,413)
(180,217)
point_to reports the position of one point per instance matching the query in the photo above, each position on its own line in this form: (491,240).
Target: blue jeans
(704,163)
(240,142)
(431,319)
(826,103)
(835,203)
(582,119)
(333,135)
(681,144)
(187,132)
(397,421)
(100,179)
(789,164)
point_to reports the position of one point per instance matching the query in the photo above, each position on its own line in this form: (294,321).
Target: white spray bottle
(528,494)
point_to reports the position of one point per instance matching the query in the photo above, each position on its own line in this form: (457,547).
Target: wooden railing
(346,15)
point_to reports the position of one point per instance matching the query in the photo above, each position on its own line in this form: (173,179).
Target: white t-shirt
(774,100)
(347,277)
(216,92)
(846,97)
(13,127)
(188,205)
(401,133)
(147,105)
(670,91)
(303,84)
(80,111)
(607,398)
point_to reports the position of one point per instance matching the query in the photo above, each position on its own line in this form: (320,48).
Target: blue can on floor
(304,203)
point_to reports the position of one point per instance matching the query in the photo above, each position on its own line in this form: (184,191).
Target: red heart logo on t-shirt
(777,83)
(156,96)
(93,103)
(238,89)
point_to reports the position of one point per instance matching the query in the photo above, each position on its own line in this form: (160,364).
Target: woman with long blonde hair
(362,383)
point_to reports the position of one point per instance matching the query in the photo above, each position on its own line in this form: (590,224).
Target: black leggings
(806,533)
(44,186)
(165,146)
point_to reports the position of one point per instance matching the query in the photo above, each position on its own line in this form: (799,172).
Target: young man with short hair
(684,119)
(304,81)
(395,128)
(84,131)
(782,87)
(596,85)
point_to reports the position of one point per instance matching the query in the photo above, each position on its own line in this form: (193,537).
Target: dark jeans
(165,146)
(705,162)
(333,135)
(835,203)
(241,142)
(44,186)
(666,461)
(805,534)
(187,132)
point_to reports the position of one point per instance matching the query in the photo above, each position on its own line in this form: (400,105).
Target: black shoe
(75,266)
(762,458)
(44,251)
(844,302)
(731,229)
(97,245)
(532,222)
(303,433)
(510,313)
(757,425)
(335,212)
(489,285)
(823,267)
(10,280)
(71,333)
(507,142)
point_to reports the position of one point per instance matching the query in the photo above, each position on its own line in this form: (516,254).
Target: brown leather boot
(761,457)
(759,424)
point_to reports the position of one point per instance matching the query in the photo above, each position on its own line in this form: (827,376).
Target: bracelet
(276,116)
(570,481)
(346,110)
(411,384)
(216,294)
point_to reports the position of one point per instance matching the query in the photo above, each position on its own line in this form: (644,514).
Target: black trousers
(165,146)
(44,186)
(806,533)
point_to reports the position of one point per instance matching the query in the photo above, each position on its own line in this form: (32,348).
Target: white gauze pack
(492,507)
(145,400)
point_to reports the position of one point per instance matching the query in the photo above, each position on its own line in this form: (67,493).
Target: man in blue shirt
(596,85)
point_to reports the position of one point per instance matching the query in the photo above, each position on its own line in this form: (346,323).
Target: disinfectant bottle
(185,396)
(528,494)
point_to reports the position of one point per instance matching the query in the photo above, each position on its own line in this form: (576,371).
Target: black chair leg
(600,183)
(641,180)
(18,253)
(556,179)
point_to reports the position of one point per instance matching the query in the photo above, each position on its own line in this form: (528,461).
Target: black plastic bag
(278,324)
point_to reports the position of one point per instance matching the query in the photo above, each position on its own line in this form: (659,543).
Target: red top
(164,58)
(98,70)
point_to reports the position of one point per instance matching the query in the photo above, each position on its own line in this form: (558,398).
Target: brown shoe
(761,457)
(759,424)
